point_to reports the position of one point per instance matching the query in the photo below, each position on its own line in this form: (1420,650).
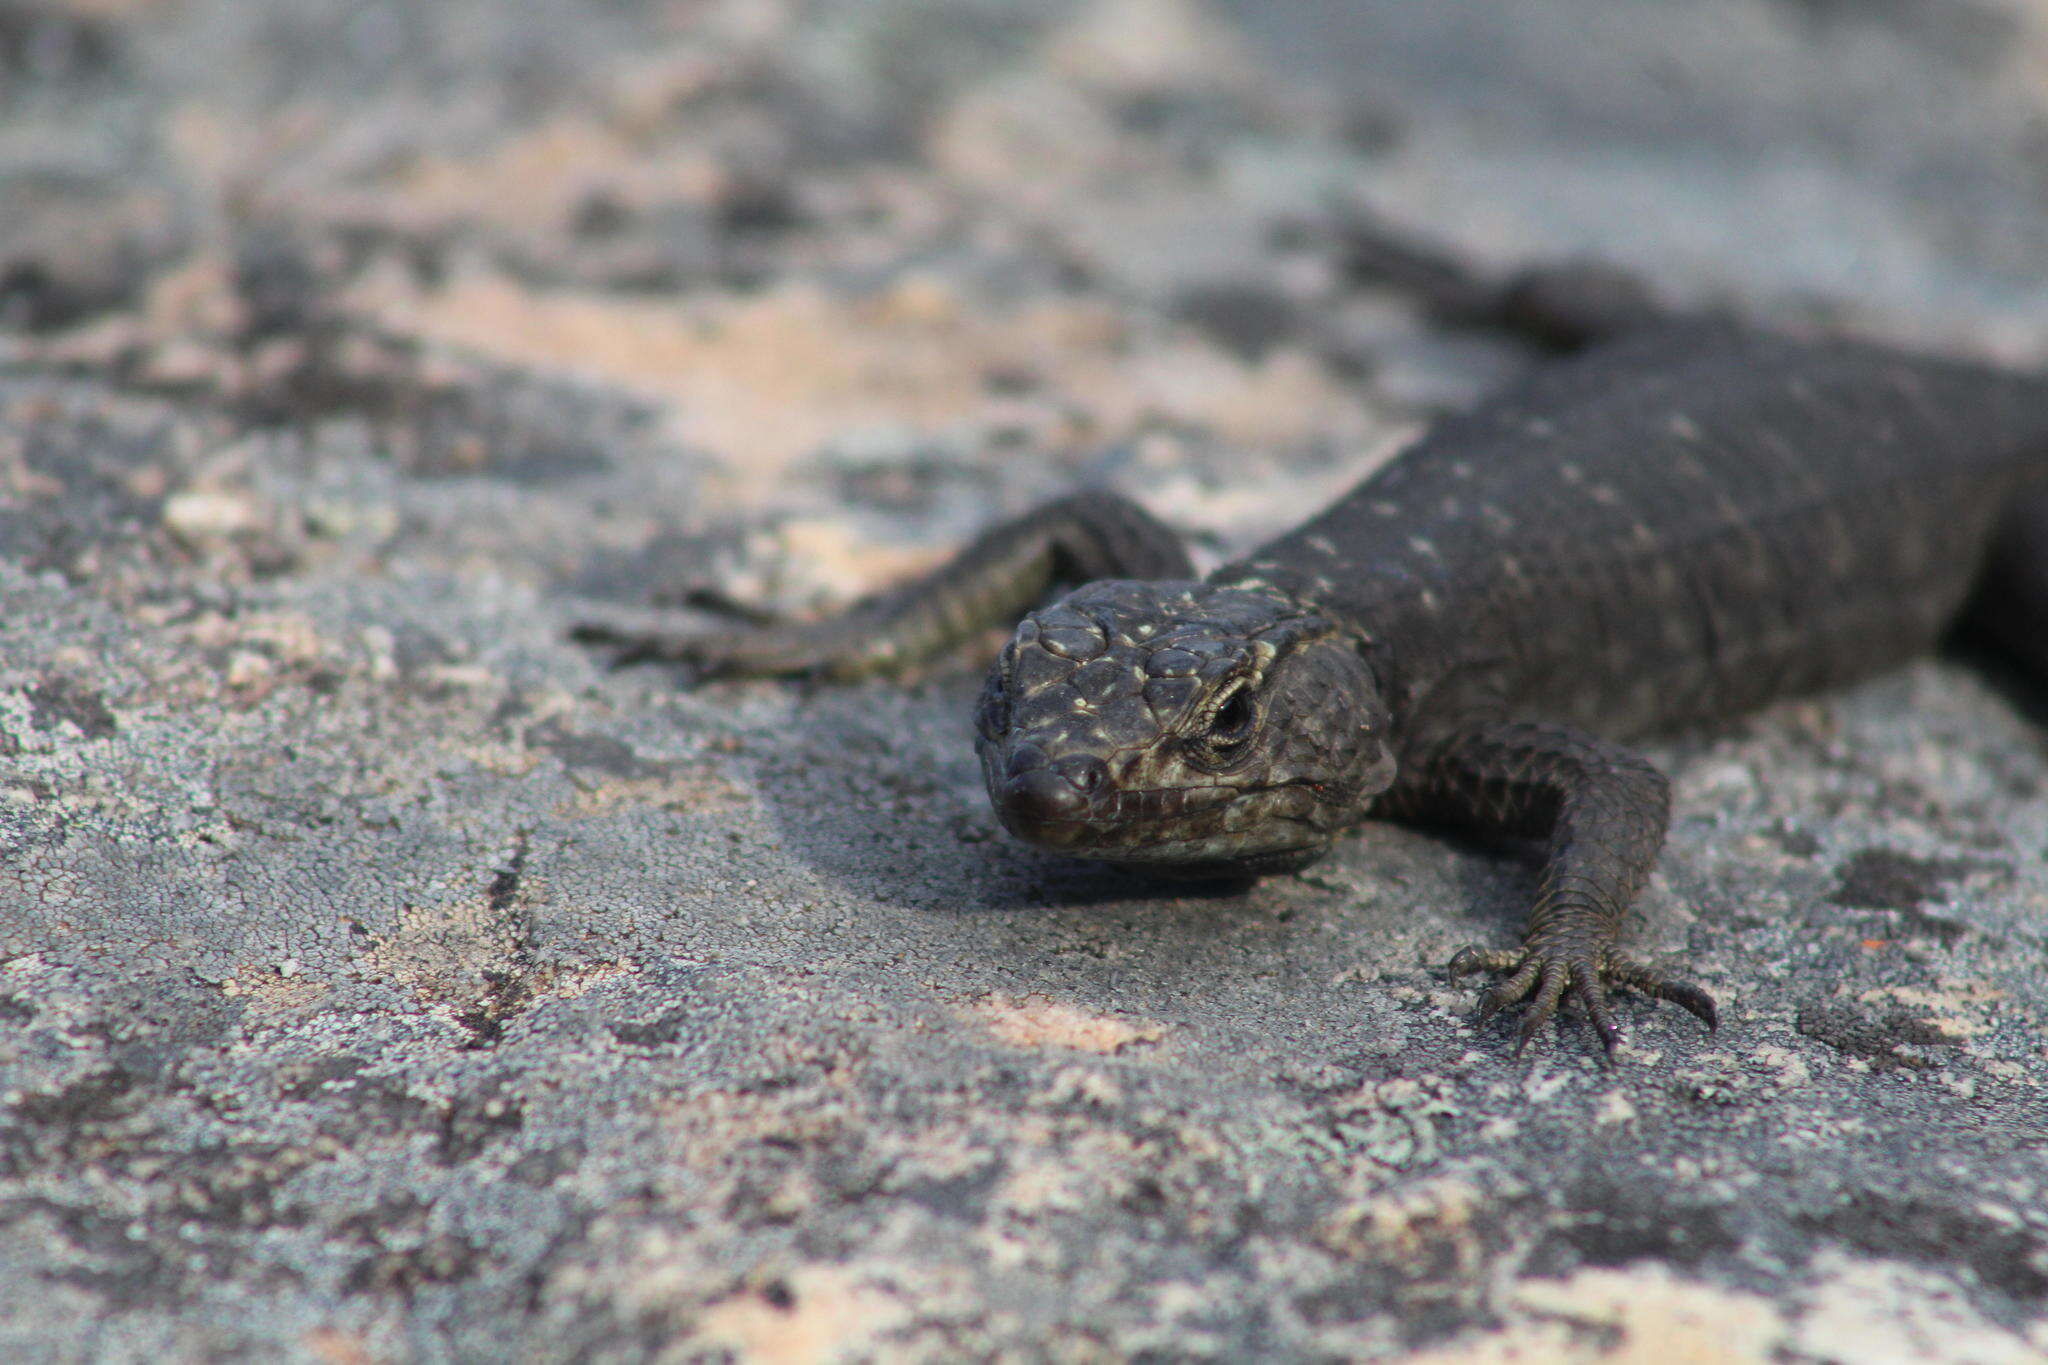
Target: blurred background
(870,249)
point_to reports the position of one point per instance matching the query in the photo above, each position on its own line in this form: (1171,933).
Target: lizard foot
(1545,976)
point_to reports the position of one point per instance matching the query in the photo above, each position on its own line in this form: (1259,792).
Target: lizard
(1666,528)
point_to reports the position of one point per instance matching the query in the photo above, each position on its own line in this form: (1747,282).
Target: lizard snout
(1040,793)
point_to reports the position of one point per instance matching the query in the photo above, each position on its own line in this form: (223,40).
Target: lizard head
(1183,726)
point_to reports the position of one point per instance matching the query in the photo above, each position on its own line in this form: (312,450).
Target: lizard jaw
(1213,830)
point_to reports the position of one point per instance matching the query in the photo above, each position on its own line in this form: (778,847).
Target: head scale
(1181,725)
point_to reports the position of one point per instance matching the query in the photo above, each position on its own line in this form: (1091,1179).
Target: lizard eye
(1232,720)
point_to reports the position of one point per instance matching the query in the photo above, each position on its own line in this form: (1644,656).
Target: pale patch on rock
(1085,1170)
(1644,1317)
(443,950)
(1614,1110)
(818,1314)
(276,987)
(1862,1313)
(1081,1085)
(680,790)
(332,1346)
(1955,1011)
(763,380)
(1034,1021)
(1409,1223)
(1792,1070)
(535,181)
(834,564)
(703,1132)
(1150,45)
(1883,1313)
(196,517)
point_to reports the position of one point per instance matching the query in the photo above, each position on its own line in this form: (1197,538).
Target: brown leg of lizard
(1603,812)
(1000,575)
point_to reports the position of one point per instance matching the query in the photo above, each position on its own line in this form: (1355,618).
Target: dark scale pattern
(1678,526)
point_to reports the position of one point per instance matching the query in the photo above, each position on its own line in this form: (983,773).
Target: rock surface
(381,980)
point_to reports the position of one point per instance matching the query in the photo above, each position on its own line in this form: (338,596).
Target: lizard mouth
(1033,810)
(1172,825)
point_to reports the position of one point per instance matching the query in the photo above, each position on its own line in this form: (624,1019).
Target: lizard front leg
(1602,812)
(994,580)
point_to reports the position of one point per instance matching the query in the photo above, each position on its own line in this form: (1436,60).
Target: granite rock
(381,979)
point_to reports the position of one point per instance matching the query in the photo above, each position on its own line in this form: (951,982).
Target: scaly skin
(1676,527)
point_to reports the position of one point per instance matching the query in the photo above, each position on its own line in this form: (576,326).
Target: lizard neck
(1390,610)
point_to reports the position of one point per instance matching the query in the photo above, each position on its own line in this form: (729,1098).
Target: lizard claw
(1545,977)
(1551,980)
(1655,984)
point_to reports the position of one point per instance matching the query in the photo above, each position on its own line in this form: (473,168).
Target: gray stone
(382,979)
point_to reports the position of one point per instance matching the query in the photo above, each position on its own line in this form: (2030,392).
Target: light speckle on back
(1734,483)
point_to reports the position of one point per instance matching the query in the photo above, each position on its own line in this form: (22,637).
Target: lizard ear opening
(992,709)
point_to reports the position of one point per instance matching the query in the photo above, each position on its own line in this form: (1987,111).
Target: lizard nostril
(1043,794)
(1087,774)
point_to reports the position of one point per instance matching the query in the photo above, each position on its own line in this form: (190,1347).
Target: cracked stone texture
(382,980)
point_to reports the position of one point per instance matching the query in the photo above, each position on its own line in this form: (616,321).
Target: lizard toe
(1593,996)
(1504,993)
(1543,978)
(1468,960)
(1552,980)
(1659,986)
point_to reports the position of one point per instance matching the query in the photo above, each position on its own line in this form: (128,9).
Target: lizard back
(1675,527)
